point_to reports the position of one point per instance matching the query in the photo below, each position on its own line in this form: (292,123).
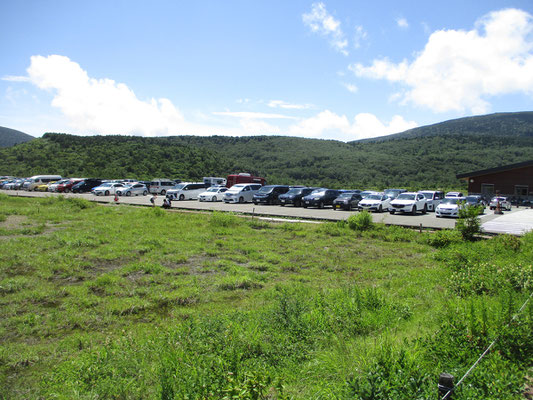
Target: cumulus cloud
(328,124)
(323,23)
(350,87)
(459,70)
(101,105)
(359,35)
(252,115)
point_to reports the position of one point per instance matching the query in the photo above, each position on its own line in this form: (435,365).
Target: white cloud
(288,106)
(320,21)
(459,70)
(252,115)
(402,23)
(327,124)
(359,35)
(12,78)
(350,87)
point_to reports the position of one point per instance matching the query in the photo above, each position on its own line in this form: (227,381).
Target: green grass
(124,302)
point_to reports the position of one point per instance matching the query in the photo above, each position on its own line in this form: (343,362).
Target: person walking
(152,199)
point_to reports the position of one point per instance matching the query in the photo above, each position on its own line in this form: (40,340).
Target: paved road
(491,222)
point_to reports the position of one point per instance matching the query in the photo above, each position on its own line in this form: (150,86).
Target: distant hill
(426,157)
(11,137)
(499,124)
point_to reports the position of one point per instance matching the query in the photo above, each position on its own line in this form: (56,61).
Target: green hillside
(426,157)
(10,137)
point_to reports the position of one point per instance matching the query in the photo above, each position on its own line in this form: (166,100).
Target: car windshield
(212,189)
(499,199)
(427,195)
(373,197)
(179,187)
(266,189)
(319,193)
(450,201)
(295,191)
(346,195)
(406,196)
(472,199)
(392,192)
(105,185)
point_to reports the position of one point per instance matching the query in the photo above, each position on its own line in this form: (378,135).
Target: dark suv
(320,198)
(347,201)
(294,196)
(86,185)
(269,194)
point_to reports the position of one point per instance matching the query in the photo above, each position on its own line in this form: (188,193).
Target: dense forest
(430,157)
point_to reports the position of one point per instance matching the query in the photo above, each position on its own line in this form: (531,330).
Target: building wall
(505,182)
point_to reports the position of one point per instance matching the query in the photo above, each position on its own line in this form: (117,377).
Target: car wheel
(66,190)
(413,211)
(163,192)
(128,193)
(298,203)
(392,211)
(241,199)
(145,193)
(349,206)
(214,198)
(380,209)
(305,205)
(282,204)
(182,197)
(321,204)
(107,193)
(425,210)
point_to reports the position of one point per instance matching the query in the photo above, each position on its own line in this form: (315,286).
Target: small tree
(468,223)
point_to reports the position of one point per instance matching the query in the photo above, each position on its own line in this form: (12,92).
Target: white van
(241,192)
(161,186)
(186,191)
(213,181)
(434,198)
(41,179)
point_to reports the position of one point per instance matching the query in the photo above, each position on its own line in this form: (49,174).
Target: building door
(487,188)
(521,191)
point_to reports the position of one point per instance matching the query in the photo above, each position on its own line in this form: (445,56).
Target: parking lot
(516,221)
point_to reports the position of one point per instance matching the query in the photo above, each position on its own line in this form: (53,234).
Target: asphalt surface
(517,221)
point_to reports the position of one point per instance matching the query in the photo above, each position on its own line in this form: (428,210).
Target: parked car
(67,187)
(53,186)
(294,196)
(107,188)
(214,193)
(450,206)
(85,185)
(41,179)
(135,189)
(433,197)
(409,202)
(393,193)
(366,193)
(476,200)
(161,186)
(269,194)
(241,192)
(505,204)
(347,201)
(454,194)
(378,202)
(186,191)
(320,198)
(42,187)
(214,181)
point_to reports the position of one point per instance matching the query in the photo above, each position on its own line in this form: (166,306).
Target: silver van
(161,186)
(434,198)
(41,179)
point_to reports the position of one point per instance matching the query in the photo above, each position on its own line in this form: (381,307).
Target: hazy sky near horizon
(342,70)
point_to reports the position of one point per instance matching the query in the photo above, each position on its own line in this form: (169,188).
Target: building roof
(497,169)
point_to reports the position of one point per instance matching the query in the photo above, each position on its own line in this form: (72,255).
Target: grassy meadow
(122,302)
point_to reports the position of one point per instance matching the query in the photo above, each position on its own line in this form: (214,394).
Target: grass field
(121,302)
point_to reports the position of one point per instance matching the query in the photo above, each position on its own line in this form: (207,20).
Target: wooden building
(515,180)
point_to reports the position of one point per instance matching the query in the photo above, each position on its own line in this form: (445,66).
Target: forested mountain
(11,137)
(430,157)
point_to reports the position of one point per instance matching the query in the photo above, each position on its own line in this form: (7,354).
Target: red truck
(243,178)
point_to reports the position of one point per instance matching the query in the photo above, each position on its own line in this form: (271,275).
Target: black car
(347,201)
(86,185)
(269,194)
(320,198)
(294,196)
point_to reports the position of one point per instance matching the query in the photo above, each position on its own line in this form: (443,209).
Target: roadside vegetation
(125,302)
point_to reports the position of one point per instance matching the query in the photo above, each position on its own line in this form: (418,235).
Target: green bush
(361,221)
(468,223)
(444,238)
(222,219)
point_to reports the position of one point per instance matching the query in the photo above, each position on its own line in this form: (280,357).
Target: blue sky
(343,70)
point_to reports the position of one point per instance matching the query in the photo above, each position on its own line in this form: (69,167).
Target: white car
(53,186)
(186,191)
(433,197)
(214,193)
(450,207)
(409,202)
(136,189)
(454,195)
(505,204)
(107,188)
(241,192)
(378,202)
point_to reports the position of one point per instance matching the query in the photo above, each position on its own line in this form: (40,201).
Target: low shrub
(444,238)
(222,219)
(361,221)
